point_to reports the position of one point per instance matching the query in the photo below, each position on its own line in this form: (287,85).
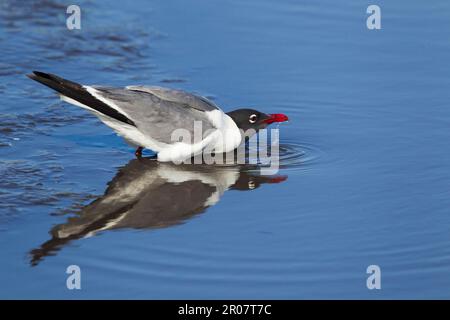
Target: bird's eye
(252,118)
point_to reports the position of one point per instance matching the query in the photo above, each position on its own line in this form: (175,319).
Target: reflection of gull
(149,194)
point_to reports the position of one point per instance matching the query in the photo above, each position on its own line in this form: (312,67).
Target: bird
(148,116)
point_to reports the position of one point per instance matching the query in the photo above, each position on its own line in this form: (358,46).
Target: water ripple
(295,155)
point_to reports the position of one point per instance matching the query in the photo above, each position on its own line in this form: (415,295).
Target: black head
(252,119)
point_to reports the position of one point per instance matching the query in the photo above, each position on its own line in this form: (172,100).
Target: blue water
(365,175)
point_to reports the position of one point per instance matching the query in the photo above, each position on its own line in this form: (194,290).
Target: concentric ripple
(295,155)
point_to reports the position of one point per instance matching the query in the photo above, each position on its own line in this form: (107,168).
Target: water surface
(365,176)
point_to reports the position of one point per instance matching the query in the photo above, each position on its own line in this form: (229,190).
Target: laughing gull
(147,116)
(147,194)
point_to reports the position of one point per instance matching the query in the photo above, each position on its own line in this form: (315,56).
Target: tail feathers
(77,92)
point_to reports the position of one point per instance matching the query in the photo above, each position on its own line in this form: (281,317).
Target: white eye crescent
(253,118)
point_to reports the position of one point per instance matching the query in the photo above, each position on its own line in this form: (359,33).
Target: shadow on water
(147,194)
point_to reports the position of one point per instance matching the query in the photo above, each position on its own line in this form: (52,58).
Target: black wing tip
(75,91)
(31,75)
(38,74)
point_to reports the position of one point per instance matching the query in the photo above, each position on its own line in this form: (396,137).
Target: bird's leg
(138,152)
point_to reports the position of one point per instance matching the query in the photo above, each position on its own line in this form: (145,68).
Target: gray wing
(158,111)
(179,96)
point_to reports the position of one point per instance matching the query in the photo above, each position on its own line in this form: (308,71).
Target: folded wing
(157,112)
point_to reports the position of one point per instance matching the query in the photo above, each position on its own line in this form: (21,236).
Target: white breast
(229,137)
(225,138)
